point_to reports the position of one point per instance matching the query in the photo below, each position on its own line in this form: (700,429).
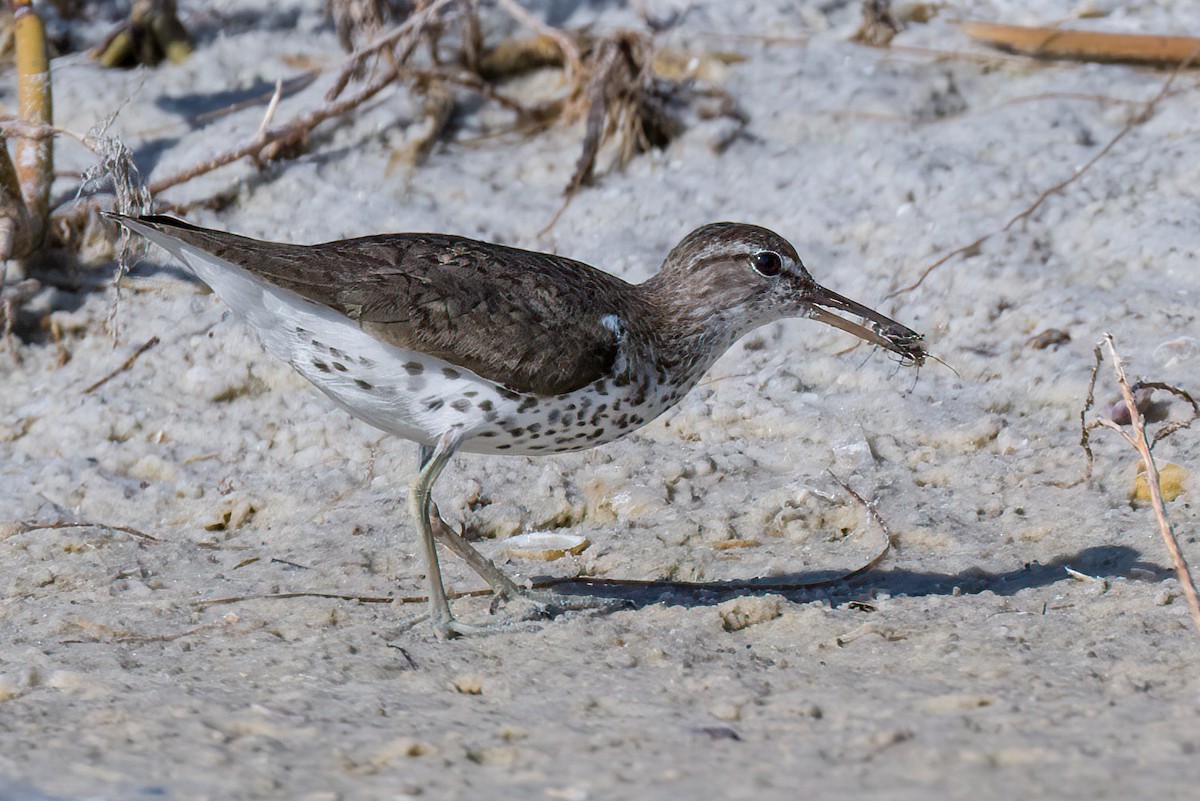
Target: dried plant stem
(1084,45)
(34,158)
(14,216)
(1142,445)
(292,131)
(125,365)
(1137,120)
(564,41)
(23,526)
(355,60)
(297,128)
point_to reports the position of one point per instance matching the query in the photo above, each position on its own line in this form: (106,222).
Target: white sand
(978,668)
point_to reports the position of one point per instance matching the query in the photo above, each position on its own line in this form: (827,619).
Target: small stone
(726,710)
(741,613)
(1172,480)
(545,546)
(1119,411)
(399,749)
(1051,337)
(469,685)
(9,688)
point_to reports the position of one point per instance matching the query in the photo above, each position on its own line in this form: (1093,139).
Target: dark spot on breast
(623,421)
(568,419)
(617,405)
(300,330)
(534,427)
(621,381)
(601,387)
(322,366)
(553,416)
(434,405)
(450,373)
(363,384)
(516,432)
(414,368)
(470,393)
(337,354)
(487,434)
(599,432)
(600,409)
(636,420)
(365,362)
(486,405)
(341,368)
(508,394)
(527,404)
(503,446)
(460,405)
(562,440)
(537,447)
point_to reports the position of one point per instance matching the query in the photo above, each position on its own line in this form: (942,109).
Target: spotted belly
(420,397)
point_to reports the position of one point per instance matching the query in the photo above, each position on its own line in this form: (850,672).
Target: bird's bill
(878,330)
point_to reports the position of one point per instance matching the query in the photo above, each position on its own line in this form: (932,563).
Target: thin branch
(292,131)
(565,43)
(1137,120)
(125,365)
(1138,440)
(355,60)
(23,526)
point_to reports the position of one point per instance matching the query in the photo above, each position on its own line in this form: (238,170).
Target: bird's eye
(767,262)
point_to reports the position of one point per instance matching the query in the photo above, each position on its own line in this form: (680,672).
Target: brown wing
(530,321)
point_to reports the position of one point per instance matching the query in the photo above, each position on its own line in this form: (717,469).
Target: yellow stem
(34,158)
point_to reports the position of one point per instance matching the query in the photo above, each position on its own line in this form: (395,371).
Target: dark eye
(767,262)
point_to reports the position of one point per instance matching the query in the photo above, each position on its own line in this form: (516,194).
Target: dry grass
(1144,445)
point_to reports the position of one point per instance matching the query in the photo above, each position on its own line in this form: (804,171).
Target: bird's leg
(502,585)
(504,588)
(540,603)
(418,506)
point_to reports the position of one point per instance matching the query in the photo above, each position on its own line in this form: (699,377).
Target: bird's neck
(691,331)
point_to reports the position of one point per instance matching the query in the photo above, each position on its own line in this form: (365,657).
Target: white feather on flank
(375,386)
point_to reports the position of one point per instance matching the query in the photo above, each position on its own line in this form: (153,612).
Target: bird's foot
(451,628)
(546,604)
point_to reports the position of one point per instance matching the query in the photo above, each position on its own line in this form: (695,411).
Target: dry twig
(23,526)
(1085,45)
(1138,440)
(125,365)
(1145,114)
(879,25)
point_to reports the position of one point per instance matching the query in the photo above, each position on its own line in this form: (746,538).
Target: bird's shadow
(1108,561)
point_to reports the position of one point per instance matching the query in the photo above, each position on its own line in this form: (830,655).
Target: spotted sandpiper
(462,345)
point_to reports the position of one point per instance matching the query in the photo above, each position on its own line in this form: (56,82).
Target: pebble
(545,546)
(1172,480)
(741,613)
(469,685)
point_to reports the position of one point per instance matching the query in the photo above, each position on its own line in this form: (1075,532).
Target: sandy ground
(969,665)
